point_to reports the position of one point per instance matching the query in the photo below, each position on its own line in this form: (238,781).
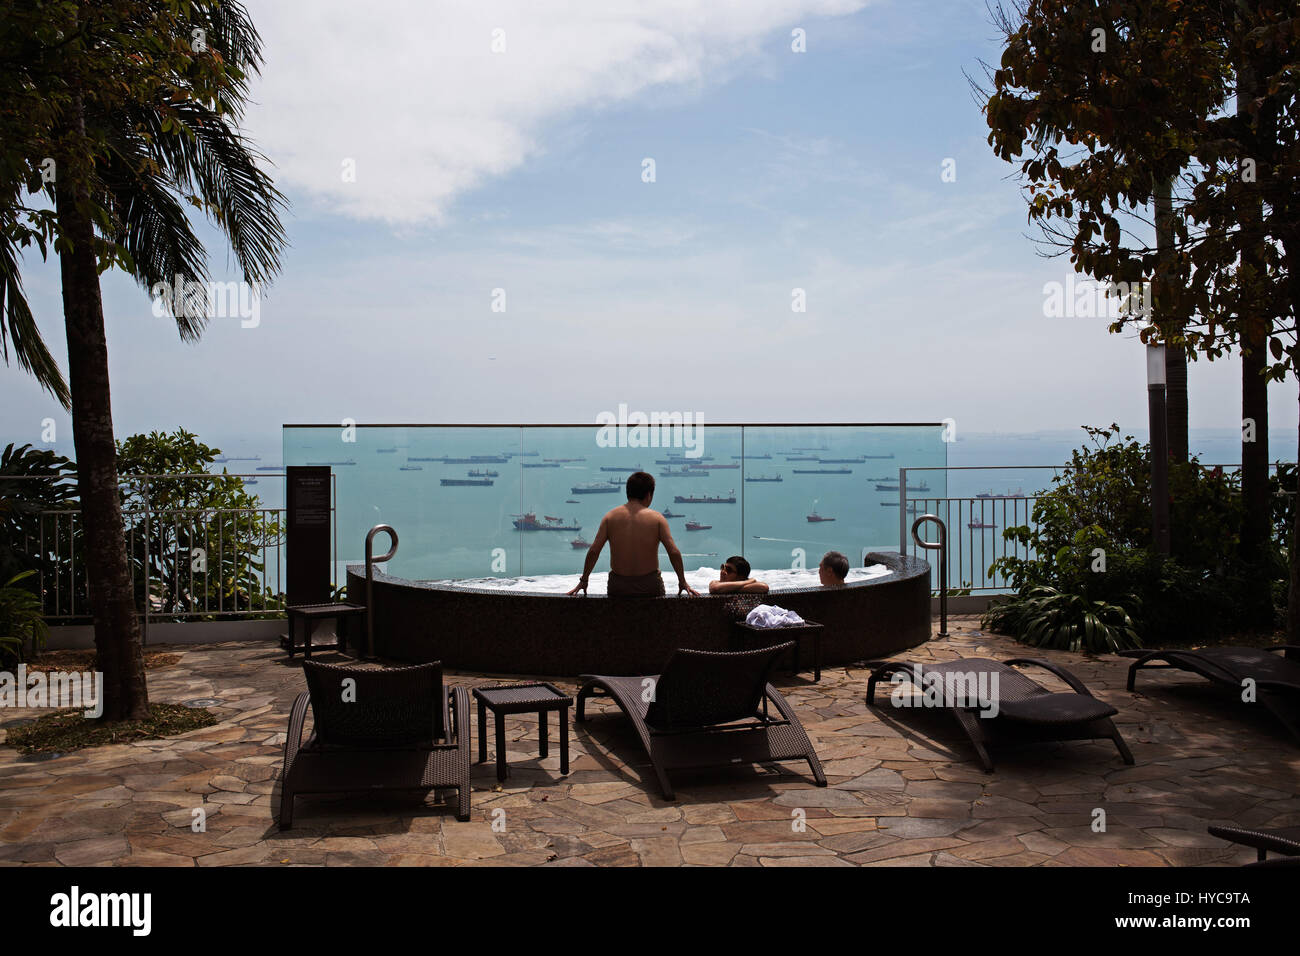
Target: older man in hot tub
(634,532)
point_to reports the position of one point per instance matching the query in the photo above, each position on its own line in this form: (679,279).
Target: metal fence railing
(976,522)
(187,561)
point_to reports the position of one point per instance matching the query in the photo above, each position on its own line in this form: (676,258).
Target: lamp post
(1159,447)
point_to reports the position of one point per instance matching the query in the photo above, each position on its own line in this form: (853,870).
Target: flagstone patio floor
(905,789)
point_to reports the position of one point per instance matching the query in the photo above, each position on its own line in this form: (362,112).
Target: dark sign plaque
(307,544)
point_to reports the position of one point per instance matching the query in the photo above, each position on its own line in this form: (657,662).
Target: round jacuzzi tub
(512,631)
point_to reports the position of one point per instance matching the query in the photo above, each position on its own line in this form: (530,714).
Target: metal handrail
(942,547)
(370,581)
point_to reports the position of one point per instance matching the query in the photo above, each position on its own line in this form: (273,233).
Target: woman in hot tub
(735,577)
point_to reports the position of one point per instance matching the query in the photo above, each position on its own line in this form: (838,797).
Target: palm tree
(129,165)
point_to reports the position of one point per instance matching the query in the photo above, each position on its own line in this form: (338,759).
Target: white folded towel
(769,615)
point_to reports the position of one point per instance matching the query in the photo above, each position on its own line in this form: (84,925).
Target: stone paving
(904,790)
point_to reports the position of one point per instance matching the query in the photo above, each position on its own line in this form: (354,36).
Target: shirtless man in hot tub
(634,532)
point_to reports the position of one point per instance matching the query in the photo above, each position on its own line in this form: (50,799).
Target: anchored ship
(684,473)
(730,499)
(579,543)
(626,471)
(411,468)
(319,463)
(481,473)
(842,461)
(541,464)
(594,488)
(814,518)
(765,478)
(923,486)
(801,458)
(696,526)
(979,524)
(562,461)
(668,513)
(529,522)
(823,471)
(464,482)
(472,460)
(386,451)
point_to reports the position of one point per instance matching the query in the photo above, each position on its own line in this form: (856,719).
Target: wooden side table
(312,614)
(520,699)
(748,636)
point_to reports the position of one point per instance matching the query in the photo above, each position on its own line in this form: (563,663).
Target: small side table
(312,614)
(749,636)
(520,699)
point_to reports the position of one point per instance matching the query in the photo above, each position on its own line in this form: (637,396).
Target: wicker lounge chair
(1026,710)
(1277,679)
(709,709)
(391,730)
(1284,840)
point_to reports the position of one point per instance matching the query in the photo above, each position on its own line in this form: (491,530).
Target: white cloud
(412,92)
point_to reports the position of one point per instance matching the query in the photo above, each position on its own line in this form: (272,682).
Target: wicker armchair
(392,729)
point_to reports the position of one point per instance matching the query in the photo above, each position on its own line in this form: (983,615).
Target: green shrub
(20,620)
(1046,617)
(1092,562)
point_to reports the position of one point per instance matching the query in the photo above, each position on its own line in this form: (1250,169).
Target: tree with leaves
(1103,103)
(118,113)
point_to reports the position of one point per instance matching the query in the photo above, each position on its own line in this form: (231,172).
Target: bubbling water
(778,580)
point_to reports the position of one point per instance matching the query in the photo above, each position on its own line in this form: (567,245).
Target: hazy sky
(522,170)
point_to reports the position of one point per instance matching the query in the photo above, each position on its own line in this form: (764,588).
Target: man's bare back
(634,532)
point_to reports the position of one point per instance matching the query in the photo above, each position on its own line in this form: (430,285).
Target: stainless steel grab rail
(371,560)
(942,547)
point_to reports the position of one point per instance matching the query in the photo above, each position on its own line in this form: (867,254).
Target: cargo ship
(466,482)
(386,451)
(823,471)
(668,513)
(815,518)
(893,486)
(977,525)
(890,455)
(411,468)
(765,478)
(682,460)
(472,460)
(268,467)
(801,458)
(562,461)
(579,543)
(751,457)
(730,499)
(1018,493)
(317,464)
(412,458)
(711,467)
(480,473)
(594,488)
(842,461)
(683,473)
(626,471)
(224,458)
(541,464)
(529,522)
(696,526)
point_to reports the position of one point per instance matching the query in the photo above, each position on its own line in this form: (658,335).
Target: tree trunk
(1292,247)
(1171,328)
(1256,519)
(112,597)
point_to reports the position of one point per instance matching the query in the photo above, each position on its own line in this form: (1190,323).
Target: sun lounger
(1025,710)
(708,709)
(1276,678)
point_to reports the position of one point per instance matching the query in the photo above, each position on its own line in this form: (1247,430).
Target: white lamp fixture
(1156,365)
